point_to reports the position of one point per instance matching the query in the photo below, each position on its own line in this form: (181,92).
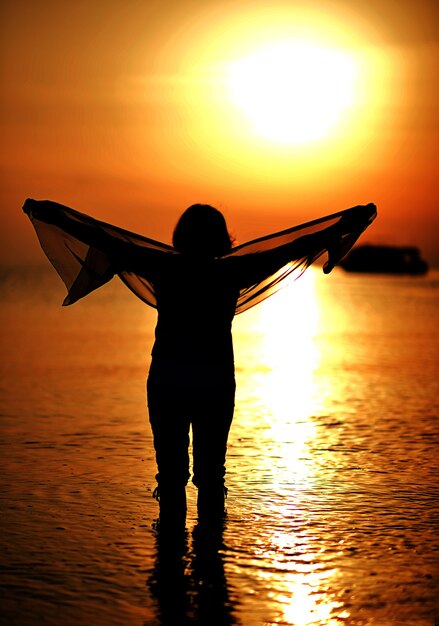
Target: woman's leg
(170,427)
(210,426)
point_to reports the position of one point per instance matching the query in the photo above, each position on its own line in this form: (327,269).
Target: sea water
(332,463)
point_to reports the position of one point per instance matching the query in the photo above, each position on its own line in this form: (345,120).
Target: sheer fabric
(84,251)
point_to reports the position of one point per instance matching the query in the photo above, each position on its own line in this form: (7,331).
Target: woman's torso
(196,301)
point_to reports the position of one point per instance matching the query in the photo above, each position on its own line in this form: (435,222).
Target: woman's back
(196,301)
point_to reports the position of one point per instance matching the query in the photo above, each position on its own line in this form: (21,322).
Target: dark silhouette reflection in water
(188,580)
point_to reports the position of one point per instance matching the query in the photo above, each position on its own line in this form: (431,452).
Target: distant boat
(380,259)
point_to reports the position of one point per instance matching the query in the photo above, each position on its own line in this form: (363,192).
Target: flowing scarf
(84,266)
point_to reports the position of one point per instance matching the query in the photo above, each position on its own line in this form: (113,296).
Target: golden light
(288,387)
(301,587)
(293,91)
(306,604)
(282,96)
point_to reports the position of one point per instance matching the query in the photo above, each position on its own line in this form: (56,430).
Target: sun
(293,92)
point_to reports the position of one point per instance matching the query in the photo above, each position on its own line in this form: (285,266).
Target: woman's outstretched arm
(124,255)
(253,268)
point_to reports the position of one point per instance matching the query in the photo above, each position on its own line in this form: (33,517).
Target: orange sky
(120,109)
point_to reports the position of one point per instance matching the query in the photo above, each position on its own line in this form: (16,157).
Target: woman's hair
(202,230)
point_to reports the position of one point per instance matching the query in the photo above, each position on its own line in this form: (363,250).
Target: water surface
(332,462)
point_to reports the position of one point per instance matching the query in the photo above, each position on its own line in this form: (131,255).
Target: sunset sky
(275,112)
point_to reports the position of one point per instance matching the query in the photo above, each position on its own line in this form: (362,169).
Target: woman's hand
(29,206)
(351,224)
(358,216)
(44,210)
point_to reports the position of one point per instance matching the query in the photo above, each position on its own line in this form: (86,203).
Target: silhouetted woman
(191,379)
(196,286)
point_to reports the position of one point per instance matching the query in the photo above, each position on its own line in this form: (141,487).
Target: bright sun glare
(293,92)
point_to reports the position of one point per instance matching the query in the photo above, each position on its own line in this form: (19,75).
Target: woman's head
(202,230)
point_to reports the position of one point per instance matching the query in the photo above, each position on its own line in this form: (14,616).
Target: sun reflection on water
(288,388)
(305,606)
(300,582)
(289,352)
